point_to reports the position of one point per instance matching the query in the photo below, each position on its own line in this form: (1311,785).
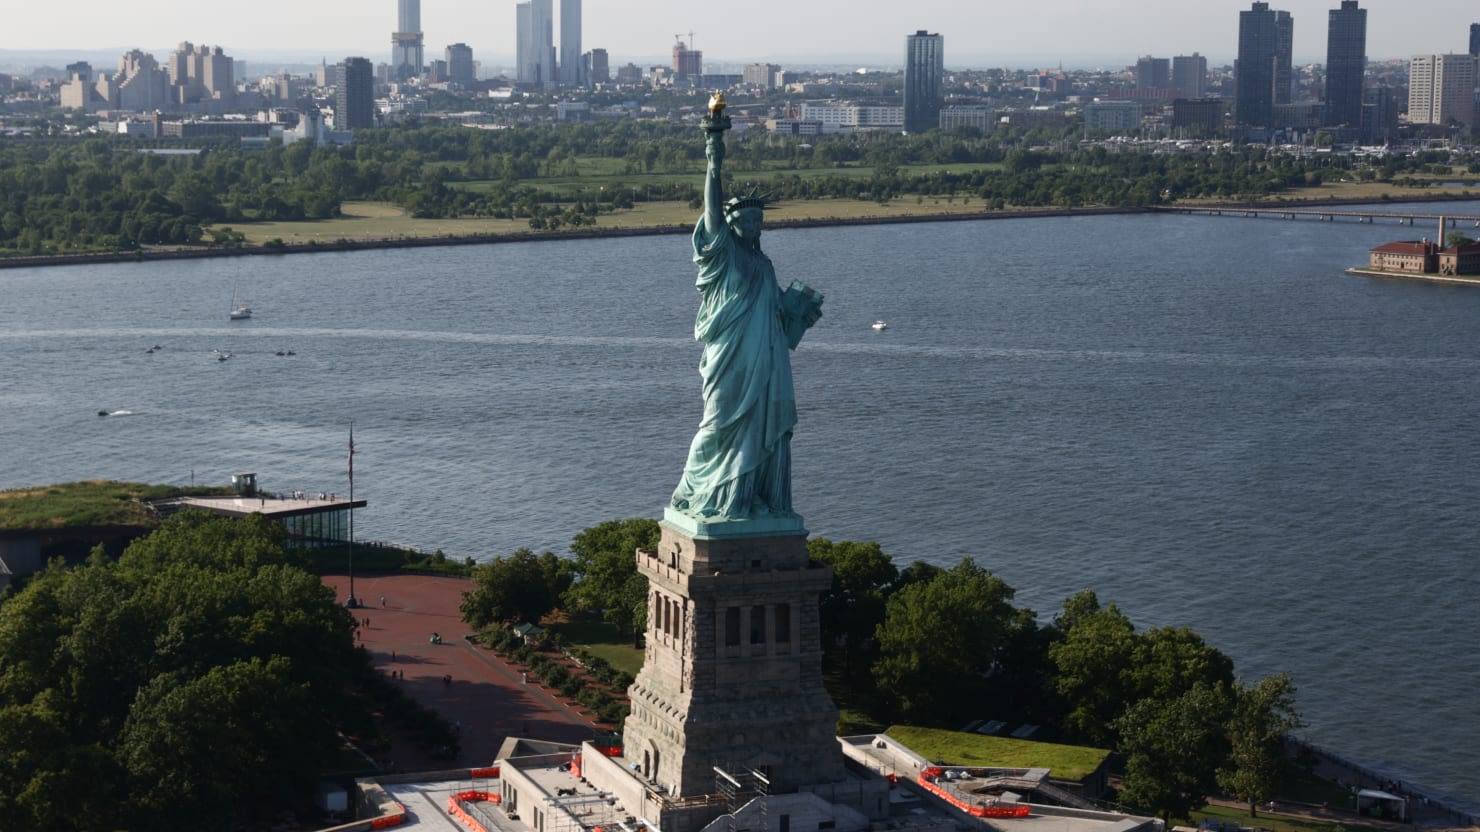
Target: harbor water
(1200,418)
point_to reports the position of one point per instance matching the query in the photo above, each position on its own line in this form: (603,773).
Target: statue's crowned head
(744,214)
(736,204)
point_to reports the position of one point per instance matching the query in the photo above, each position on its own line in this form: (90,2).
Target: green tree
(1173,750)
(522,587)
(194,745)
(1168,661)
(942,639)
(1090,661)
(1263,714)
(605,572)
(853,608)
(203,640)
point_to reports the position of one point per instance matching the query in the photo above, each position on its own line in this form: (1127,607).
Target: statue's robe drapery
(739,464)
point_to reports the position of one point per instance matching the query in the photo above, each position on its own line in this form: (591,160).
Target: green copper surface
(739,464)
(714,528)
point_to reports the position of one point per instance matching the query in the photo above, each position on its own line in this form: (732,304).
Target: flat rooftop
(275,506)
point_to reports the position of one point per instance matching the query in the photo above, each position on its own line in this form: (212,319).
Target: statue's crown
(737,204)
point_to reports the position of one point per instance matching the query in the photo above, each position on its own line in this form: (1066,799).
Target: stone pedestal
(732,676)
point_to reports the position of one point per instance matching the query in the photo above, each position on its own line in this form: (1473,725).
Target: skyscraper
(924,67)
(1190,75)
(1441,89)
(407,58)
(1346,63)
(523,43)
(1263,72)
(354,101)
(600,72)
(1284,65)
(570,44)
(460,64)
(535,21)
(1475,39)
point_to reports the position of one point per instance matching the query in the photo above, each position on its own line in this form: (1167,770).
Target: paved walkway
(487,697)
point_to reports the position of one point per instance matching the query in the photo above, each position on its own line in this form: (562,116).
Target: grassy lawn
(382,221)
(601,640)
(84,504)
(1069,762)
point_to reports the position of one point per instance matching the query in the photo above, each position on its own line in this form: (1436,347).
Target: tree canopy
(605,572)
(192,683)
(520,587)
(942,639)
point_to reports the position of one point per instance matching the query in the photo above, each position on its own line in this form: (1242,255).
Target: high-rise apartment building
(460,69)
(535,54)
(1264,71)
(924,69)
(760,75)
(1441,89)
(571,65)
(1284,64)
(1153,73)
(1475,39)
(354,101)
(1190,75)
(407,48)
(1346,63)
(687,62)
(600,71)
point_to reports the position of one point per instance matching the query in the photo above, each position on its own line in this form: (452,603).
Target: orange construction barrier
(490,771)
(1012,810)
(387,821)
(455,809)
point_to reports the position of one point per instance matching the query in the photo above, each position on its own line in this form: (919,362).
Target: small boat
(238,313)
(879,326)
(115,413)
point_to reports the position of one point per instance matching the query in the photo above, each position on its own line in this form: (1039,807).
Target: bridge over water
(1443,221)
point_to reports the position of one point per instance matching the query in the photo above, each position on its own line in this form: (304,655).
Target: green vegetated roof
(959,748)
(82,505)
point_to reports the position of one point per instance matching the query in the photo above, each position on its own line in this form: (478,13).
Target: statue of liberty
(739,465)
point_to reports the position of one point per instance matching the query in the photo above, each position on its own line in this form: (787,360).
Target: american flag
(351,453)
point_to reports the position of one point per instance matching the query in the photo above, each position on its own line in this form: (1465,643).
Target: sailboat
(238,313)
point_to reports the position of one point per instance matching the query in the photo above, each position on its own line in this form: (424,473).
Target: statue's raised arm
(715,125)
(739,465)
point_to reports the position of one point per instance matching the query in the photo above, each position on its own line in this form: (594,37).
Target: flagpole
(353,602)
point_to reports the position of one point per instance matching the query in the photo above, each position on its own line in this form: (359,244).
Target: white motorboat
(879,326)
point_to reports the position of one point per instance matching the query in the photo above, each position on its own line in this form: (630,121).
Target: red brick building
(1460,259)
(1411,256)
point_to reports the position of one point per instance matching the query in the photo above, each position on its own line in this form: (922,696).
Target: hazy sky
(978,33)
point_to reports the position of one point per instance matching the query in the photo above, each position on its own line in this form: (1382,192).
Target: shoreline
(597,232)
(1452,280)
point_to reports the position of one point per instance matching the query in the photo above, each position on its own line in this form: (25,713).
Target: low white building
(834,116)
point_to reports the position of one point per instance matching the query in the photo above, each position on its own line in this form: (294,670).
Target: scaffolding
(739,786)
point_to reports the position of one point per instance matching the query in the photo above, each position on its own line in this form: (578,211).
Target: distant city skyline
(1076,33)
